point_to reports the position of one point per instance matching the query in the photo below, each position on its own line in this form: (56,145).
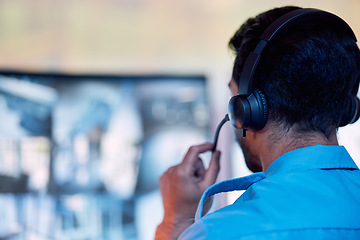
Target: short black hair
(308,73)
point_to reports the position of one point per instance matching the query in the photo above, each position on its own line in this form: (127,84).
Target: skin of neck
(273,141)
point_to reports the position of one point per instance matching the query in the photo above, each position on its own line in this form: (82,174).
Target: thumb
(213,170)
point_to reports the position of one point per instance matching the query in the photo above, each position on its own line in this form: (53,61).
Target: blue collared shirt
(308,193)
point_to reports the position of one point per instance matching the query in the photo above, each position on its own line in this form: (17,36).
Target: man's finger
(194,151)
(199,169)
(212,171)
(191,157)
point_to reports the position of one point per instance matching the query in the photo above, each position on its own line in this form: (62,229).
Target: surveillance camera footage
(80,156)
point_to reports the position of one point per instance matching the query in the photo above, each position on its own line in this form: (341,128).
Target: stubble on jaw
(252,161)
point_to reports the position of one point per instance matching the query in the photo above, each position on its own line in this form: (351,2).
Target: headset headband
(289,19)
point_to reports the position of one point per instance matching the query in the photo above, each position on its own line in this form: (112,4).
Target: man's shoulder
(303,200)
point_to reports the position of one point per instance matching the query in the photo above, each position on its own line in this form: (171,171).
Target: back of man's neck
(291,141)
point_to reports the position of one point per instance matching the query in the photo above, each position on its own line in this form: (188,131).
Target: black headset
(248,110)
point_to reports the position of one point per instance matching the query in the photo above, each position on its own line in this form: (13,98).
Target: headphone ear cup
(239,111)
(250,113)
(259,110)
(355,111)
(352,112)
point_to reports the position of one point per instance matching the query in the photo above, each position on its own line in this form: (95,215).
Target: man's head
(309,73)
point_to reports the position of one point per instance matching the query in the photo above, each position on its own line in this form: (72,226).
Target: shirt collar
(313,157)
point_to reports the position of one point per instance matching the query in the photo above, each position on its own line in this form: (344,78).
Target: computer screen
(80,155)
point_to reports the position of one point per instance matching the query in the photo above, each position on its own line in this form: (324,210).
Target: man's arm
(182,187)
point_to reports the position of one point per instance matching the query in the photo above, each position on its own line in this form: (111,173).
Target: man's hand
(182,187)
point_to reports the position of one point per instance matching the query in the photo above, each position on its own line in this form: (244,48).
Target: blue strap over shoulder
(235,184)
